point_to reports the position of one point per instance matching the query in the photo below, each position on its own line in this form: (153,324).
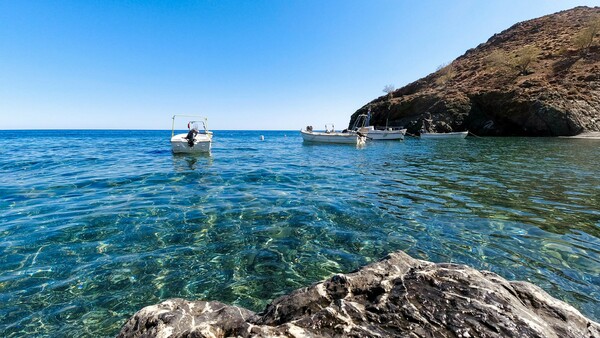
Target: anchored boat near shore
(386,134)
(362,125)
(452,135)
(331,136)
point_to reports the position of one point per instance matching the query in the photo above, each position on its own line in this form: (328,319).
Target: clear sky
(272,64)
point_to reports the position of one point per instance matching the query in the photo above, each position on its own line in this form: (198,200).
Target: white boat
(331,136)
(196,140)
(387,134)
(456,135)
(362,125)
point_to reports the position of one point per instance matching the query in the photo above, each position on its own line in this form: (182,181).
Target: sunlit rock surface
(484,90)
(398,296)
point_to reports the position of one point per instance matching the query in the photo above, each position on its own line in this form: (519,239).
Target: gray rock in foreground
(398,296)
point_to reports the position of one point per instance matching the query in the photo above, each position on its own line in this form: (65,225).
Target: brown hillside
(538,78)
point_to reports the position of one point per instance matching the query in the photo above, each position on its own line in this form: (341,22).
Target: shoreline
(591,135)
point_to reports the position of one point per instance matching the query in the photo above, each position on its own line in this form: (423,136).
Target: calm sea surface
(95,225)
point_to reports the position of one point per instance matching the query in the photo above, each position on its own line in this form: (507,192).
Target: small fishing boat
(362,125)
(386,134)
(455,135)
(331,136)
(196,140)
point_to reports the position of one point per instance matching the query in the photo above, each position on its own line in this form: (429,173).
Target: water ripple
(96,225)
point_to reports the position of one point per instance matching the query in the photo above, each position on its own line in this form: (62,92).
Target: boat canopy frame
(201,119)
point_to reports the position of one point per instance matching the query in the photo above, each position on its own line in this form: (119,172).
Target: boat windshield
(199,126)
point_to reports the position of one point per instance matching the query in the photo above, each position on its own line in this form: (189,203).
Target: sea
(97,224)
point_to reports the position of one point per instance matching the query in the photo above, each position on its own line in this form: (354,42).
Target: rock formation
(396,297)
(537,78)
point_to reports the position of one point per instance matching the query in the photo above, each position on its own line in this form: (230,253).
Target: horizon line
(124,129)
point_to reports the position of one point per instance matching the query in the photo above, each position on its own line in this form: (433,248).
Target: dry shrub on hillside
(389,89)
(585,38)
(445,73)
(520,61)
(524,58)
(498,60)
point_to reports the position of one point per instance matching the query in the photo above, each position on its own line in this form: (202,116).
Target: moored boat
(362,125)
(331,136)
(198,139)
(455,135)
(386,134)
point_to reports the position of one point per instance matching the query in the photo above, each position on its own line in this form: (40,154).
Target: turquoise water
(97,224)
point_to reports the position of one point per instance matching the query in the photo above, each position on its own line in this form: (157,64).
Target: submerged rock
(397,296)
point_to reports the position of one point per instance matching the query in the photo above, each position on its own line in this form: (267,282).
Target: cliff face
(538,78)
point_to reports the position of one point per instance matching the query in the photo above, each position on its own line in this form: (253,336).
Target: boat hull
(337,138)
(455,135)
(202,144)
(375,134)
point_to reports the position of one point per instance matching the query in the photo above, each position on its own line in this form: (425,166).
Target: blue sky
(276,64)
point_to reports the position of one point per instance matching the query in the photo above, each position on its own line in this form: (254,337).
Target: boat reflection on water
(187,162)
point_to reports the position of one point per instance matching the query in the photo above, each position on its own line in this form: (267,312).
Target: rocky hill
(538,78)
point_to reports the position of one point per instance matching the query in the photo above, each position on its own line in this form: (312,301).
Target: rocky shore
(398,296)
(537,78)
